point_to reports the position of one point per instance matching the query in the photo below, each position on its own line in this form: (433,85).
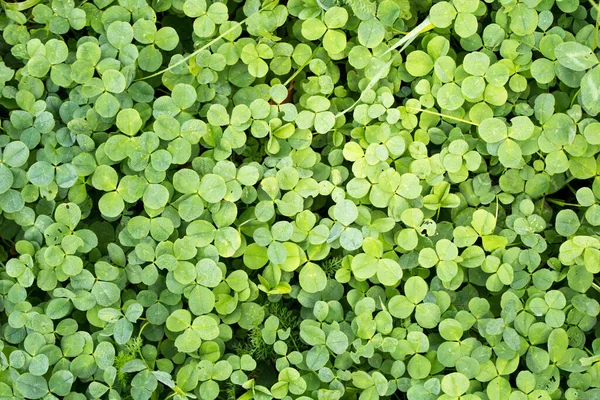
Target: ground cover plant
(302,199)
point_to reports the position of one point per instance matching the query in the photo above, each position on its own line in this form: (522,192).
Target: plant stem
(444,116)
(575,97)
(383,71)
(398,31)
(21,6)
(405,41)
(562,203)
(527,44)
(497,207)
(142,329)
(195,53)
(291,78)
(595,41)
(424,26)
(206,46)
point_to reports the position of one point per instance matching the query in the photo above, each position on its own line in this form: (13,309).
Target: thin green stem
(142,329)
(291,78)
(575,97)
(591,353)
(596,286)
(206,46)
(380,74)
(21,6)
(497,206)
(527,44)
(571,178)
(562,203)
(384,70)
(424,26)
(595,41)
(398,31)
(195,53)
(444,116)
(246,222)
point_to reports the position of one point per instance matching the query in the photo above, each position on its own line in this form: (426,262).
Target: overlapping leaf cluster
(303,199)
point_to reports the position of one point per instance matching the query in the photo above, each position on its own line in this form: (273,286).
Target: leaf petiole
(384,70)
(206,46)
(291,78)
(195,53)
(443,115)
(562,203)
